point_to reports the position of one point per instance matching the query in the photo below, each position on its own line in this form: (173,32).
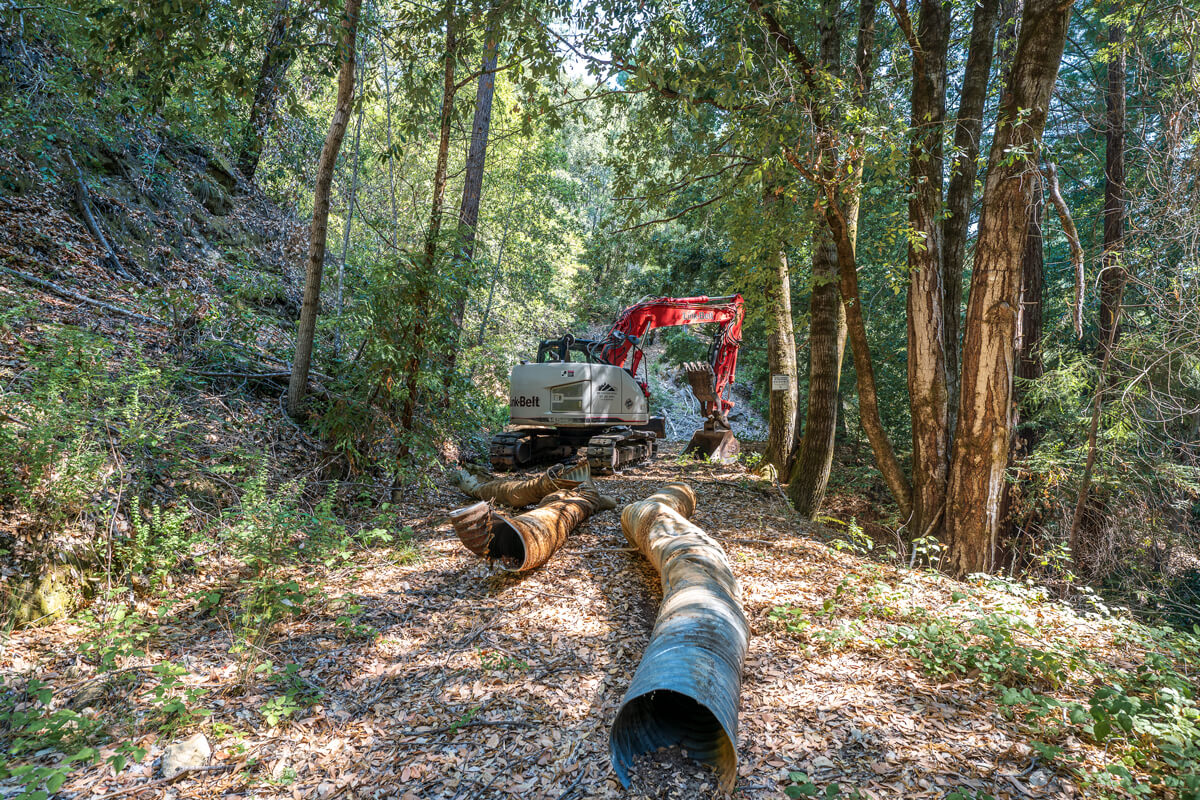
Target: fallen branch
(234,374)
(63,292)
(82,198)
(1072,233)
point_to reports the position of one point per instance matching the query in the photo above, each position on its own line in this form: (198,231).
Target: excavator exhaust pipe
(526,541)
(686,688)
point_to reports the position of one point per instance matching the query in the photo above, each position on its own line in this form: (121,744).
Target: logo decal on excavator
(567,373)
(526,402)
(606,387)
(628,402)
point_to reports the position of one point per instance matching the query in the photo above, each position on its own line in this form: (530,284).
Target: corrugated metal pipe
(685,691)
(529,540)
(521,492)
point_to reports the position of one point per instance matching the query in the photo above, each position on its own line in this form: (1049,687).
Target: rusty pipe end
(473,527)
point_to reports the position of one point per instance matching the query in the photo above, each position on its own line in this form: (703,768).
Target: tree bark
(781,342)
(968,129)
(318,232)
(1112,275)
(813,461)
(1029,309)
(927,390)
(341,273)
(985,410)
(468,211)
(416,342)
(826,345)
(277,58)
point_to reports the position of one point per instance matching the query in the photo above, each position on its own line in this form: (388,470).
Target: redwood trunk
(968,129)
(927,390)
(826,345)
(1029,311)
(985,411)
(318,232)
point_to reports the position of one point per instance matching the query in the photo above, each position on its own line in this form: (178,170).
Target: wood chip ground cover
(485,684)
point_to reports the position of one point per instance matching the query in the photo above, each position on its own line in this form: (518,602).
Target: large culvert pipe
(520,492)
(685,691)
(529,540)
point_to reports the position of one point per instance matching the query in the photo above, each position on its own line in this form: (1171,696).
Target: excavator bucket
(702,379)
(714,442)
(715,445)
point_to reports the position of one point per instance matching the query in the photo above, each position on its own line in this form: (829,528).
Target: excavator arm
(710,380)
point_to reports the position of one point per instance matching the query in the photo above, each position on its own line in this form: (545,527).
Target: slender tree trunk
(985,410)
(826,344)
(927,389)
(813,460)
(868,396)
(1112,275)
(318,232)
(781,342)
(416,343)
(341,274)
(468,212)
(1084,550)
(277,57)
(968,129)
(387,98)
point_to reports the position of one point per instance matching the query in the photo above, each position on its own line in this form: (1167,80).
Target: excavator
(585,393)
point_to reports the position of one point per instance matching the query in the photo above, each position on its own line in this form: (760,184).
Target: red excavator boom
(710,380)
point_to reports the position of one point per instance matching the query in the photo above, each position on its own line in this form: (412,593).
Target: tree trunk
(276,60)
(1112,275)
(985,409)
(826,346)
(341,273)
(968,129)
(468,212)
(416,343)
(810,468)
(926,336)
(318,232)
(1084,550)
(1029,310)
(781,342)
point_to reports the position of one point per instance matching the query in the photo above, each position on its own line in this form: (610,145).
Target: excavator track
(511,449)
(618,448)
(523,448)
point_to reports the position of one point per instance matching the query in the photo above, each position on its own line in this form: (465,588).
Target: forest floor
(460,681)
(412,669)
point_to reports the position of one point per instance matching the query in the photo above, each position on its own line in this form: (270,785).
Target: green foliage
(159,544)
(1148,715)
(79,403)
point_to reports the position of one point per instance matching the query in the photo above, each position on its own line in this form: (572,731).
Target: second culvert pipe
(686,688)
(527,541)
